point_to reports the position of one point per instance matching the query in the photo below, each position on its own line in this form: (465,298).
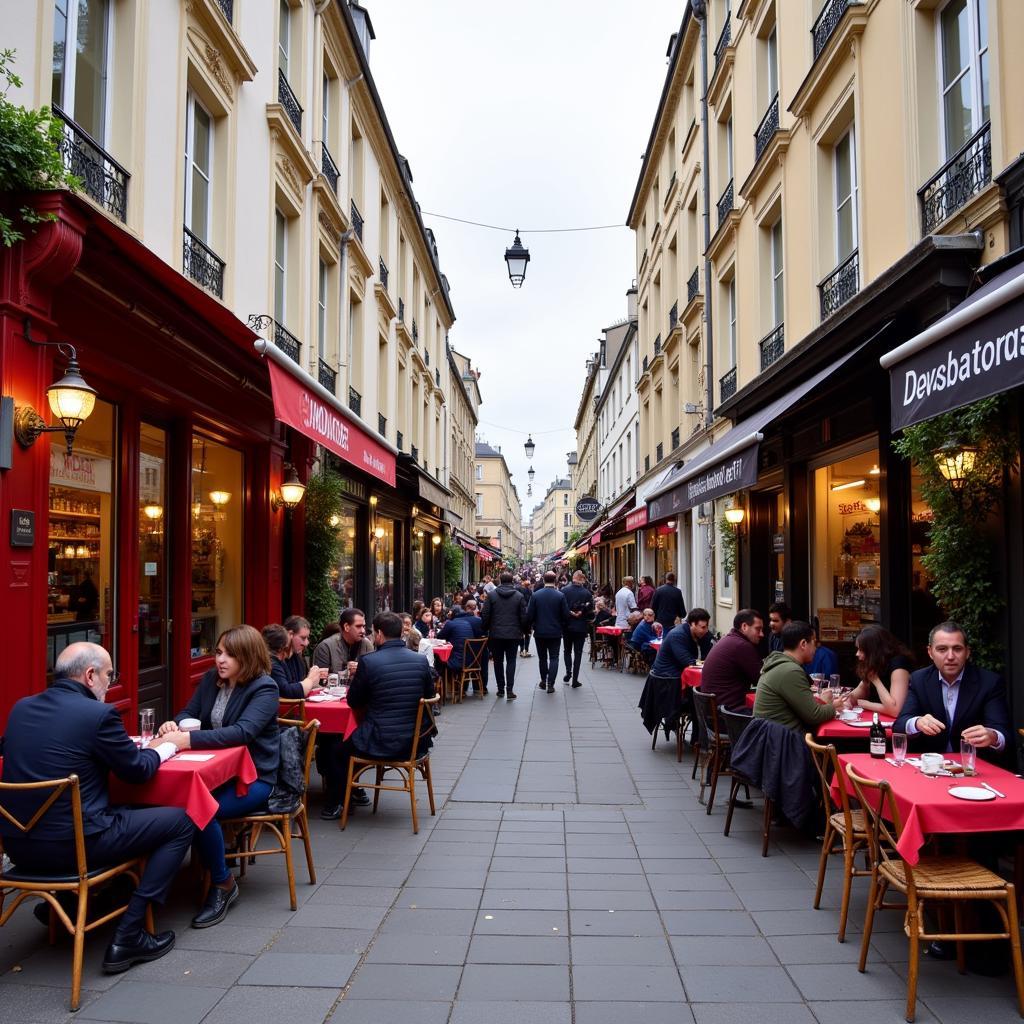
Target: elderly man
(641,637)
(69,729)
(953,700)
(625,602)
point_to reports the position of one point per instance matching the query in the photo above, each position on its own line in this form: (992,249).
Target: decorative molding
(290,174)
(212,58)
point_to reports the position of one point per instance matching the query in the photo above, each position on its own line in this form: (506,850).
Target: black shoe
(941,951)
(331,813)
(745,804)
(359,798)
(542,685)
(499,694)
(566,677)
(121,955)
(511,696)
(216,909)
(551,689)
(576,684)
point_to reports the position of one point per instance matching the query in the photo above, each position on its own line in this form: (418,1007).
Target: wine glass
(899,747)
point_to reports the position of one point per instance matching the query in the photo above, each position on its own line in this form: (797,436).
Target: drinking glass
(147,722)
(833,681)
(817,681)
(968,755)
(899,747)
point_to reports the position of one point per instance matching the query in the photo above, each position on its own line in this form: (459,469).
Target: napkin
(195,757)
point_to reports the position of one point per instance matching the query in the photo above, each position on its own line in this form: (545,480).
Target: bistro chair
(845,824)
(715,745)
(82,882)
(942,880)
(283,827)
(473,656)
(735,723)
(292,708)
(602,650)
(407,769)
(634,660)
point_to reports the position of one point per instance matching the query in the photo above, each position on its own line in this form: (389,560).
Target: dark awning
(975,351)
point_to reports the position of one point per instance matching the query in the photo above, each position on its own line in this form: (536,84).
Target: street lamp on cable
(531,474)
(517,257)
(529,447)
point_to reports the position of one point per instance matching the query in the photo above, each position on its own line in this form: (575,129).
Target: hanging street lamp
(517,257)
(529,447)
(531,474)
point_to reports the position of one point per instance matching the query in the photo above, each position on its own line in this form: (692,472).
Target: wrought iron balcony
(673,316)
(725,204)
(103,179)
(657,346)
(426,355)
(772,346)
(383,273)
(727,385)
(399,440)
(767,128)
(675,439)
(355,401)
(645,364)
(415,453)
(227,9)
(840,286)
(723,40)
(287,99)
(659,453)
(357,219)
(329,168)
(415,330)
(328,378)
(202,264)
(401,311)
(693,285)
(287,342)
(827,22)
(960,178)
(382,425)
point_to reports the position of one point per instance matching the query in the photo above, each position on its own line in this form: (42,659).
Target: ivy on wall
(452,565)
(727,541)
(323,500)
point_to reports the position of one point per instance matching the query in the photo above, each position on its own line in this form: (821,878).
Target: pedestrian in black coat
(668,603)
(504,619)
(548,614)
(580,602)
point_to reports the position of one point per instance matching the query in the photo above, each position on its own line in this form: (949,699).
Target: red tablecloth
(335,716)
(610,630)
(750,699)
(839,730)
(927,808)
(443,652)
(691,677)
(189,784)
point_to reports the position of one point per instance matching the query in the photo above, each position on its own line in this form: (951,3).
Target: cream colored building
(554,520)
(463,409)
(584,479)
(498,511)
(858,163)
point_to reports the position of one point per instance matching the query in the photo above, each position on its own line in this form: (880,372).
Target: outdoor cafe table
(927,808)
(691,677)
(183,782)
(837,729)
(334,715)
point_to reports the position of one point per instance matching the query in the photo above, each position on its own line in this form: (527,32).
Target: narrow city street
(569,876)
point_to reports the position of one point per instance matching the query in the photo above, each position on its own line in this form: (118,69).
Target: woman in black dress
(884,667)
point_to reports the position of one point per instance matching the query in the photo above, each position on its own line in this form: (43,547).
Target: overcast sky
(532,114)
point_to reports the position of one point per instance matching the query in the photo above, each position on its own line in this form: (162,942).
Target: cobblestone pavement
(570,876)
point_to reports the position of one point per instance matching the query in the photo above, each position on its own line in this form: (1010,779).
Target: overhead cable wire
(524,231)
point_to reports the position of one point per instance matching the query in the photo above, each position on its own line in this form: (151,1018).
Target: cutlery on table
(895,764)
(992,789)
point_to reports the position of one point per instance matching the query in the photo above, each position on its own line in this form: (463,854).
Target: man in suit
(668,603)
(67,729)
(954,700)
(548,613)
(580,602)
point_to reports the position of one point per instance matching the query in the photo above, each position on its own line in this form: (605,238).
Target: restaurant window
(216,507)
(80,67)
(660,543)
(384,564)
(280,265)
(420,546)
(846,571)
(80,555)
(963,56)
(343,577)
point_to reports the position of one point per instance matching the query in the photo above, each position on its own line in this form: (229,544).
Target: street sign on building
(588,509)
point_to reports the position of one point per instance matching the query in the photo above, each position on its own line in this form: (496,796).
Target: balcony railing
(382,425)
(357,219)
(329,168)
(328,378)
(285,340)
(426,355)
(767,128)
(415,453)
(227,9)
(659,453)
(675,439)
(840,286)
(693,285)
(962,177)
(773,346)
(673,316)
(202,264)
(827,22)
(727,386)
(287,99)
(399,440)
(415,330)
(383,272)
(401,311)
(103,179)
(355,401)
(657,346)
(725,204)
(723,40)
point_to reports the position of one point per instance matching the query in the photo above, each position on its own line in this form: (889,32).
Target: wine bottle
(877,737)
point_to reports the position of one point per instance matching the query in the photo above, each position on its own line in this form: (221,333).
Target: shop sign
(637,518)
(86,472)
(588,509)
(778,543)
(726,476)
(300,408)
(23,528)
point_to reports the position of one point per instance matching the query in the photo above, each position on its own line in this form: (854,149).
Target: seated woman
(602,616)
(236,704)
(425,623)
(279,647)
(884,667)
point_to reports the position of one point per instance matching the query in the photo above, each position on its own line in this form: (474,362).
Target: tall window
(81,35)
(284,35)
(198,146)
(778,289)
(479,504)
(280,257)
(479,472)
(732,322)
(325,111)
(728,147)
(321,311)
(963,57)
(846,196)
(772,55)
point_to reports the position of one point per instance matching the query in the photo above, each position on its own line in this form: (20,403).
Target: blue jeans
(211,840)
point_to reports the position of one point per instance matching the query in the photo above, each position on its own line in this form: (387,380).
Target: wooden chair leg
(343,820)
(1015,953)
(428,779)
(379,778)
(696,758)
(78,955)
(958,927)
(715,772)
(51,930)
(826,849)
(412,801)
(875,893)
(302,820)
(289,865)
(914,933)
(733,790)
(769,808)
(844,912)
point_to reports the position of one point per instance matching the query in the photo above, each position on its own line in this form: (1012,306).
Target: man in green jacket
(784,690)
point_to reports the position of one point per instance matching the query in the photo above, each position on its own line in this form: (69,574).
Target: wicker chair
(846,824)
(942,880)
(714,745)
(634,660)
(735,723)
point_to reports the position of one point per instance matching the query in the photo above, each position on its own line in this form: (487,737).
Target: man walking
(580,602)
(503,618)
(668,603)
(625,602)
(548,613)
(524,588)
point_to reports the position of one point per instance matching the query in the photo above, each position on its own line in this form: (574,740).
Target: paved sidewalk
(570,877)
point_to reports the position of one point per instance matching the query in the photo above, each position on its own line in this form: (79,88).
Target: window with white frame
(963,66)
(280,265)
(845,163)
(81,59)
(198,168)
(479,504)
(284,35)
(772,59)
(479,472)
(731,290)
(325,111)
(321,311)
(778,284)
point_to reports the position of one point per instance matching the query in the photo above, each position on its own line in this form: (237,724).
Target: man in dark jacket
(952,699)
(503,618)
(548,613)
(733,665)
(668,603)
(685,645)
(580,602)
(68,729)
(524,588)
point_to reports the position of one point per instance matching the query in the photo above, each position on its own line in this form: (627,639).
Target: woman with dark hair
(236,705)
(425,623)
(437,609)
(645,593)
(884,667)
(279,646)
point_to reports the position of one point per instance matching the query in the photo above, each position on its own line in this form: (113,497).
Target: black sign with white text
(23,528)
(724,476)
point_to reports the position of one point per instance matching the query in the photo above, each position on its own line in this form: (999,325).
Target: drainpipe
(700,12)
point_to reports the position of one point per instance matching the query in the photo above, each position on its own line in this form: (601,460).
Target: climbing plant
(452,565)
(322,501)
(959,562)
(727,539)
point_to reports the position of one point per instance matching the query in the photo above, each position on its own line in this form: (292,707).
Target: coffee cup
(931,762)
(190,725)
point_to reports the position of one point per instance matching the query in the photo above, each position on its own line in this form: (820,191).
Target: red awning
(298,405)
(468,545)
(637,518)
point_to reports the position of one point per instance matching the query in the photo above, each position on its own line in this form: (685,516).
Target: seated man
(826,661)
(778,615)
(68,728)
(733,665)
(641,637)
(663,700)
(340,652)
(952,699)
(784,691)
(463,625)
(602,616)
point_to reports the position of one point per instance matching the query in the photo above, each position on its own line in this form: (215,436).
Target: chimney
(364,27)
(631,302)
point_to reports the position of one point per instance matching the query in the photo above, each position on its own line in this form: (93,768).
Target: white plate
(971,793)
